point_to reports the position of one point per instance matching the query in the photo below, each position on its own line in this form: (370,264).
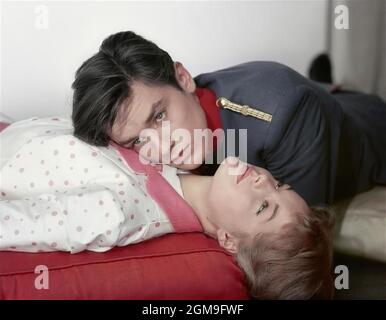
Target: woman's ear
(227,241)
(184,78)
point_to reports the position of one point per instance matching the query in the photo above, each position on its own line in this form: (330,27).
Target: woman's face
(243,199)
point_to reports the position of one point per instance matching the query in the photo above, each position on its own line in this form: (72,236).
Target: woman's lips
(246,174)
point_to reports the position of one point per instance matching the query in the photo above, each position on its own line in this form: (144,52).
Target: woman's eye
(160,116)
(137,141)
(278,185)
(263,206)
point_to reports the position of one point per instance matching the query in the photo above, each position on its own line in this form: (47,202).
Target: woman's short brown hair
(294,263)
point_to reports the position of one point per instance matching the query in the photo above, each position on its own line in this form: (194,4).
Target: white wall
(38,65)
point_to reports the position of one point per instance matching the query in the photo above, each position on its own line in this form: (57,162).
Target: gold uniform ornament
(243,109)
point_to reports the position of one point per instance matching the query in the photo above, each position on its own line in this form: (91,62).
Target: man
(325,145)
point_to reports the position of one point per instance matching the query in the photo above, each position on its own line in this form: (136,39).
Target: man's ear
(184,78)
(227,241)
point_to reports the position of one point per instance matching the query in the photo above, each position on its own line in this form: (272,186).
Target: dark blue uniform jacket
(326,146)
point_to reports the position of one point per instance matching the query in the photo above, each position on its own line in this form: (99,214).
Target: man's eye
(262,207)
(160,116)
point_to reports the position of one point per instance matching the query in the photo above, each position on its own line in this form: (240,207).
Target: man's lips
(245,174)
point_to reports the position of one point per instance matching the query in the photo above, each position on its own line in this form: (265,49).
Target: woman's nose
(261,181)
(232,161)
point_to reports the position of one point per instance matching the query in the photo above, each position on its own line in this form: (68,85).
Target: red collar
(208,103)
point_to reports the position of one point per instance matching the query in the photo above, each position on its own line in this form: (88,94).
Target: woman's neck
(195,189)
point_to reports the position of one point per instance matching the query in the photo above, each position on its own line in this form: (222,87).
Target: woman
(59,193)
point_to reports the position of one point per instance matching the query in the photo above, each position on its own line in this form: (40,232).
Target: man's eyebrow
(148,119)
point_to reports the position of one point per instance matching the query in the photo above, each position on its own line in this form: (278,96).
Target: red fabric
(180,214)
(208,103)
(175,266)
(3,126)
(207,100)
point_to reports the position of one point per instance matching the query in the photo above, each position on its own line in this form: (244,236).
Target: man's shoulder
(260,65)
(260,76)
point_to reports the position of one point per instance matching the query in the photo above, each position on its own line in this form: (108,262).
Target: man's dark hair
(104,81)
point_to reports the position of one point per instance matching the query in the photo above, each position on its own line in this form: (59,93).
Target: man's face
(152,107)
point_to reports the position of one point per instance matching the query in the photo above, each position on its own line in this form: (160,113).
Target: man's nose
(172,144)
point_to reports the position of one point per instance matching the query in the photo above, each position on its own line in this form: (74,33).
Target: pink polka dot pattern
(107,195)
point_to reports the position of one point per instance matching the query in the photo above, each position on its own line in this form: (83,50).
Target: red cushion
(175,266)
(3,125)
